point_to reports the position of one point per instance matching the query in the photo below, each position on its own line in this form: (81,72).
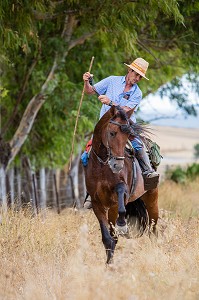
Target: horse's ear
(130,112)
(113,110)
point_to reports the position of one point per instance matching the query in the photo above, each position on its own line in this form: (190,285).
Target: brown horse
(112,185)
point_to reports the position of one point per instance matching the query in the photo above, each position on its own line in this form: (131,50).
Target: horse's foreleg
(150,199)
(108,241)
(121,224)
(112,217)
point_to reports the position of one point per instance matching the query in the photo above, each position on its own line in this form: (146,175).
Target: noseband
(125,128)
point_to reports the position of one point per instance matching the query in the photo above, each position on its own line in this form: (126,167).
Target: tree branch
(38,100)
(48,16)
(25,125)
(149,51)
(20,96)
(80,40)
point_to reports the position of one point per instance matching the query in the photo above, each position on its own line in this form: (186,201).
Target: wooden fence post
(11,184)
(35,193)
(18,188)
(3,199)
(42,180)
(56,194)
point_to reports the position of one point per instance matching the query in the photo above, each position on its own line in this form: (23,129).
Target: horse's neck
(97,142)
(98,132)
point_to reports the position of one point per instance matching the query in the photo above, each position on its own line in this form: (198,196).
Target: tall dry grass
(62,257)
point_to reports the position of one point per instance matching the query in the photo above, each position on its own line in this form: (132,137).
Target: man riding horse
(123,91)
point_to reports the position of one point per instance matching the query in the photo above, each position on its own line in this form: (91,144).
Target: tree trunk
(5,152)
(38,100)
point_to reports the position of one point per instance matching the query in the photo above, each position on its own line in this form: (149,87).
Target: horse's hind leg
(150,199)
(108,241)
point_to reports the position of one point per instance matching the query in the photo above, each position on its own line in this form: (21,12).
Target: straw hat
(140,66)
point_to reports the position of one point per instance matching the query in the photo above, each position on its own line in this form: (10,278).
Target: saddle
(149,183)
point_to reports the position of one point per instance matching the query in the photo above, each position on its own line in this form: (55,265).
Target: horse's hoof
(110,262)
(109,257)
(121,230)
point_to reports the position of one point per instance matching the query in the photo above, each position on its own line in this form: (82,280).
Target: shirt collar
(123,80)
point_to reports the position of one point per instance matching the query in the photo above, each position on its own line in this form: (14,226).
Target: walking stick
(78,112)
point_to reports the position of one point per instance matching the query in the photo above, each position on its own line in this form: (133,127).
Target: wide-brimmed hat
(140,66)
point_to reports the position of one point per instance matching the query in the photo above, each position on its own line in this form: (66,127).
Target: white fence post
(18,198)
(42,179)
(3,198)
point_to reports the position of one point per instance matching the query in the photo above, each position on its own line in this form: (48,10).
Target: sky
(154,107)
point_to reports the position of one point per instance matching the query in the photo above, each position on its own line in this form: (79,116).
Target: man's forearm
(88,88)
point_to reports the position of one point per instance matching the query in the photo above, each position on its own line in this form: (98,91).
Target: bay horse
(112,185)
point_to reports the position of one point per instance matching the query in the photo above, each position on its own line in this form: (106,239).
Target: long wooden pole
(78,113)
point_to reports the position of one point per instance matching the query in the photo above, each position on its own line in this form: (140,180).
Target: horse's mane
(121,113)
(139,129)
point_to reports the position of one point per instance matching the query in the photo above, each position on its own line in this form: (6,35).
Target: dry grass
(62,257)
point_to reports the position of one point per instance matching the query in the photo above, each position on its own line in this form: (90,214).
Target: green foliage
(3,92)
(165,33)
(192,171)
(180,175)
(196,151)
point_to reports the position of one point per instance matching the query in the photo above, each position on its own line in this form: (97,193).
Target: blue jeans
(137,144)
(84,158)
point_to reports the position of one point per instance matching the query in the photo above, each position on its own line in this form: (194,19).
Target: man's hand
(86,76)
(104,99)
(88,88)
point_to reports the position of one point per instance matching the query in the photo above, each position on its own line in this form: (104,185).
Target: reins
(99,159)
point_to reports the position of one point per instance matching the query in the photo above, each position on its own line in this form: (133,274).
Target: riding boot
(144,162)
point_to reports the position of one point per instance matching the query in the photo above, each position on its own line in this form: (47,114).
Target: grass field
(62,257)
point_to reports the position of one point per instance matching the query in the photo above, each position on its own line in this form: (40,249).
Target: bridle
(125,128)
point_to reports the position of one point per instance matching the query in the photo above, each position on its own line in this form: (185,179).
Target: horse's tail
(137,217)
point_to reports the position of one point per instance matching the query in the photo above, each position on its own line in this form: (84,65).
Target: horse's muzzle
(116,164)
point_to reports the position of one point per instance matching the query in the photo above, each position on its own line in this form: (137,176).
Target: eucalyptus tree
(47,45)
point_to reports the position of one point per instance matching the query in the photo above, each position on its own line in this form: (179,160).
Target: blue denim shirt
(113,88)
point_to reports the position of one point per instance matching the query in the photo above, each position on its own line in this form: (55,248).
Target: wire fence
(45,188)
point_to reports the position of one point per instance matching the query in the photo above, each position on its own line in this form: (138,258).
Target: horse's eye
(112,133)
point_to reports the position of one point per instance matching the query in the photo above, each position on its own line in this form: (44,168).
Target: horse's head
(115,135)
